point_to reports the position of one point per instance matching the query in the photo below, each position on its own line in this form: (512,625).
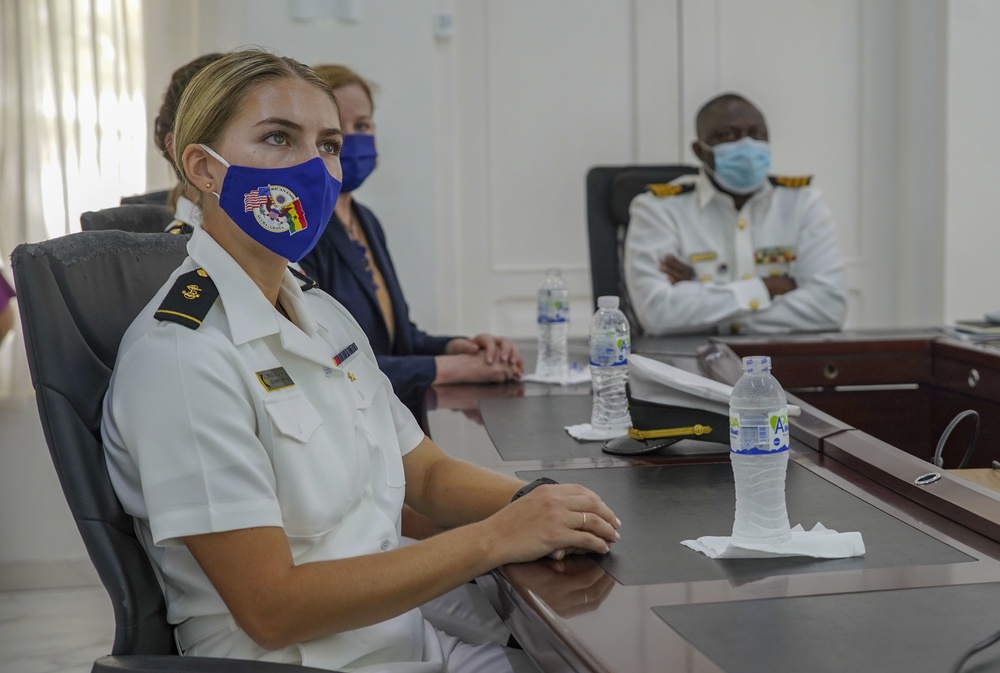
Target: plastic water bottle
(553,325)
(610,345)
(758,442)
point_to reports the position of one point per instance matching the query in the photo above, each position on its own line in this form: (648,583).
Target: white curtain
(72,126)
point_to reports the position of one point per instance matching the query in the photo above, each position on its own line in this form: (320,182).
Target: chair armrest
(156,663)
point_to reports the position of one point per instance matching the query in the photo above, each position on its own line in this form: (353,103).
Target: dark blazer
(338,265)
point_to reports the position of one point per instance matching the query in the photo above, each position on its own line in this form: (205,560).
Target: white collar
(707,190)
(250,315)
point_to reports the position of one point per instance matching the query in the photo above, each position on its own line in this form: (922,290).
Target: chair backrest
(610,190)
(155,198)
(77,295)
(142,218)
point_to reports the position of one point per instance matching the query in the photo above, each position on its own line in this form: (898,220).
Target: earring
(208,185)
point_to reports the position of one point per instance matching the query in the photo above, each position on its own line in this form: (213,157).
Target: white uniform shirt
(779,231)
(196,443)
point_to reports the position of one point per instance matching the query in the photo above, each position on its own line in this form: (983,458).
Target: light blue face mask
(741,166)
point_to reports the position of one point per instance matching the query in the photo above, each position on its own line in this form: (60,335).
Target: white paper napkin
(820,542)
(576,373)
(587,433)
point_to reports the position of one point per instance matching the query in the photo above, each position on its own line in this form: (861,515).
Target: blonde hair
(337,76)
(215,95)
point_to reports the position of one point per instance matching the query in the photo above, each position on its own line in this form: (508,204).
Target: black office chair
(610,190)
(139,219)
(77,295)
(153,198)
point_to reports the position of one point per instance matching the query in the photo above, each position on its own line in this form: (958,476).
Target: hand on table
(482,359)
(555,520)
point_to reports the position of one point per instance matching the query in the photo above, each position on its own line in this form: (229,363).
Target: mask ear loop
(221,160)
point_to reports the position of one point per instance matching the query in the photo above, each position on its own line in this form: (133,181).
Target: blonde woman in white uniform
(250,433)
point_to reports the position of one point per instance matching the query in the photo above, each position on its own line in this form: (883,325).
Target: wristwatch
(525,490)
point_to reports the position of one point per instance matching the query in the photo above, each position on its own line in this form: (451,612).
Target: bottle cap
(755,364)
(609,301)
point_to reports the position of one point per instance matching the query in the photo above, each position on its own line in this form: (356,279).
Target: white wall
(972,230)
(914,121)
(39,543)
(391,43)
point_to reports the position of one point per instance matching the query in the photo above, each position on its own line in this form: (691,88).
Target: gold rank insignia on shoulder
(274,379)
(189,300)
(790,181)
(665,189)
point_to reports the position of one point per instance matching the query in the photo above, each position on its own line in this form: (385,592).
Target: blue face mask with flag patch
(284,209)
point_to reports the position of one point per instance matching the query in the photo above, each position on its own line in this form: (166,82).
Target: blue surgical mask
(740,166)
(283,209)
(357,158)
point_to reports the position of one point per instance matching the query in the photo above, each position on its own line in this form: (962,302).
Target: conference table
(875,406)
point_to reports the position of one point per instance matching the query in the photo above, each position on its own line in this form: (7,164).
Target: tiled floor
(54,630)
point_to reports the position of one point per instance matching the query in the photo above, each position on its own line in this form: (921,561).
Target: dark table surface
(652,604)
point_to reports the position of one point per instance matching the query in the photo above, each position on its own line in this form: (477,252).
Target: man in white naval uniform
(732,250)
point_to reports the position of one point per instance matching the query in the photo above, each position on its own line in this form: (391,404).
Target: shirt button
(754,304)
(327,371)
(385,545)
(741,223)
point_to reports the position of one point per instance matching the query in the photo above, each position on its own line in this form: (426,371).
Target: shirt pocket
(373,406)
(293,416)
(366,379)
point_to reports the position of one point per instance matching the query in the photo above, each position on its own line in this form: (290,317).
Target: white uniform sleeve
(180,405)
(688,306)
(819,302)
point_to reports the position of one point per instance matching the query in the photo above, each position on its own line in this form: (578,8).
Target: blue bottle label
(552,309)
(757,432)
(605,352)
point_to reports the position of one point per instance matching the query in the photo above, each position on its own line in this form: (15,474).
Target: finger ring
(584,520)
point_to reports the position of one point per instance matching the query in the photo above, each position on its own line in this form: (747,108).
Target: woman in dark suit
(352,263)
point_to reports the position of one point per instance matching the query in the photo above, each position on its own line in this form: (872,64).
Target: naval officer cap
(668,404)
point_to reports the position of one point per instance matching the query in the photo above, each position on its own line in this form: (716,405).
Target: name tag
(275,379)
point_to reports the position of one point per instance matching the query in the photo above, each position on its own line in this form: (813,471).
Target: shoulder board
(189,300)
(182,228)
(664,189)
(308,283)
(791,181)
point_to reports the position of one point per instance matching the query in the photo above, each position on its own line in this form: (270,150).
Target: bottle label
(755,432)
(552,309)
(605,352)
